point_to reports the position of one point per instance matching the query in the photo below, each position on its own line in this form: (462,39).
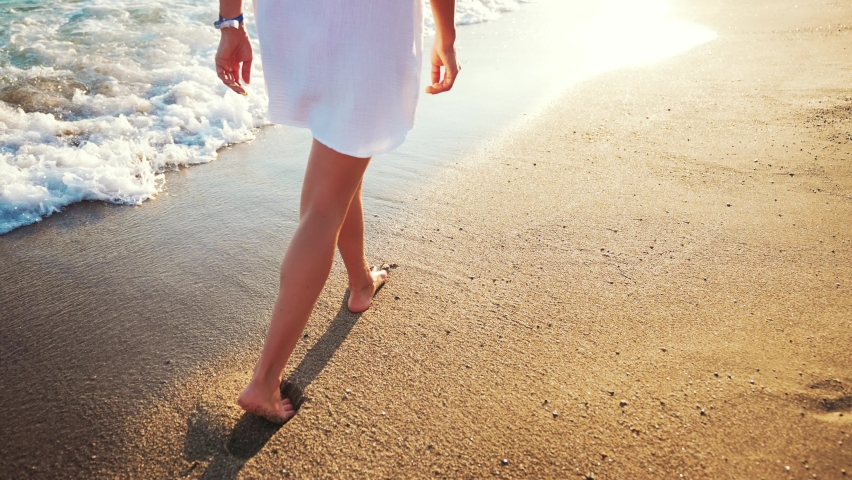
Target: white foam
(152,101)
(473,11)
(104,97)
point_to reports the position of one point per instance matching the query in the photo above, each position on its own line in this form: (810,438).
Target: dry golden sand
(649,279)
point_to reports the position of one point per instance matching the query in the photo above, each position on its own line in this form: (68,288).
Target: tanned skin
(331,216)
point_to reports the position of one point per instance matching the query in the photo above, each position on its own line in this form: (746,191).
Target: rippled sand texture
(649,278)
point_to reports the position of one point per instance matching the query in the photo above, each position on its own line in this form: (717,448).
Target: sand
(649,278)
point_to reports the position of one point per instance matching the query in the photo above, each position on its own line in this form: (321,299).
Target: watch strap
(228,22)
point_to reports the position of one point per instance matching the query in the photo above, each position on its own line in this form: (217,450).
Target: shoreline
(563,300)
(115,303)
(577,305)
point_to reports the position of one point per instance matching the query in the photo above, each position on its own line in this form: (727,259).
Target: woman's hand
(234,50)
(443,50)
(443,56)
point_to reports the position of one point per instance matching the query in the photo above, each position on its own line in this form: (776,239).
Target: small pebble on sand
(623,403)
(505,462)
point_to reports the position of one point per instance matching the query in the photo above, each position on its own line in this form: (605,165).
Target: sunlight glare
(611,34)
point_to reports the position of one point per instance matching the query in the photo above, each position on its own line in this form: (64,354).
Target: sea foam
(99,99)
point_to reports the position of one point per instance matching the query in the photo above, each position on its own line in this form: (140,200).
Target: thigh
(331,181)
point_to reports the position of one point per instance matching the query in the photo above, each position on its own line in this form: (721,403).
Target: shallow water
(104,304)
(514,67)
(99,98)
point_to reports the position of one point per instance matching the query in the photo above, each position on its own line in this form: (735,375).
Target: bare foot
(360,299)
(266,403)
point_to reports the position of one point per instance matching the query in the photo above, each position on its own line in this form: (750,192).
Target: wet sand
(103,307)
(651,277)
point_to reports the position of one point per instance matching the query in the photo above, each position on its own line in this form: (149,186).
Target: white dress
(347,69)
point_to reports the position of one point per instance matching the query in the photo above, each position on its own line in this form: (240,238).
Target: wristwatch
(229,22)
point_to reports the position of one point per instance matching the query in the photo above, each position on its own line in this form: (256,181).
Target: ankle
(265,383)
(362,280)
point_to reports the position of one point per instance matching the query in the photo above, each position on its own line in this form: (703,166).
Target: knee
(322,215)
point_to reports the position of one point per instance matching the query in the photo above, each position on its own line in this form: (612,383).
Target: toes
(287,410)
(381,280)
(282,418)
(283,414)
(379,275)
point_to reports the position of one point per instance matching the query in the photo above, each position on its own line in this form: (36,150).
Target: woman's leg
(363,282)
(331,180)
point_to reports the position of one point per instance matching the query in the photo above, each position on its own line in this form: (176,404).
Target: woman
(349,70)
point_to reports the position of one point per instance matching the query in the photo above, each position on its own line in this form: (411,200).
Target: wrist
(234,32)
(225,23)
(446,37)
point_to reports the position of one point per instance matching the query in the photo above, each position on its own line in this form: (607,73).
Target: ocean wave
(469,12)
(98,100)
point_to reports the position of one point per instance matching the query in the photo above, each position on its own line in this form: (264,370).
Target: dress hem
(395,142)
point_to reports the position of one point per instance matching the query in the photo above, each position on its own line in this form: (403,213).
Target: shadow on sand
(208,440)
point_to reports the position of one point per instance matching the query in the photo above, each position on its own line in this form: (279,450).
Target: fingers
(451,67)
(449,79)
(437,85)
(234,85)
(230,77)
(224,75)
(440,86)
(247,71)
(436,73)
(234,59)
